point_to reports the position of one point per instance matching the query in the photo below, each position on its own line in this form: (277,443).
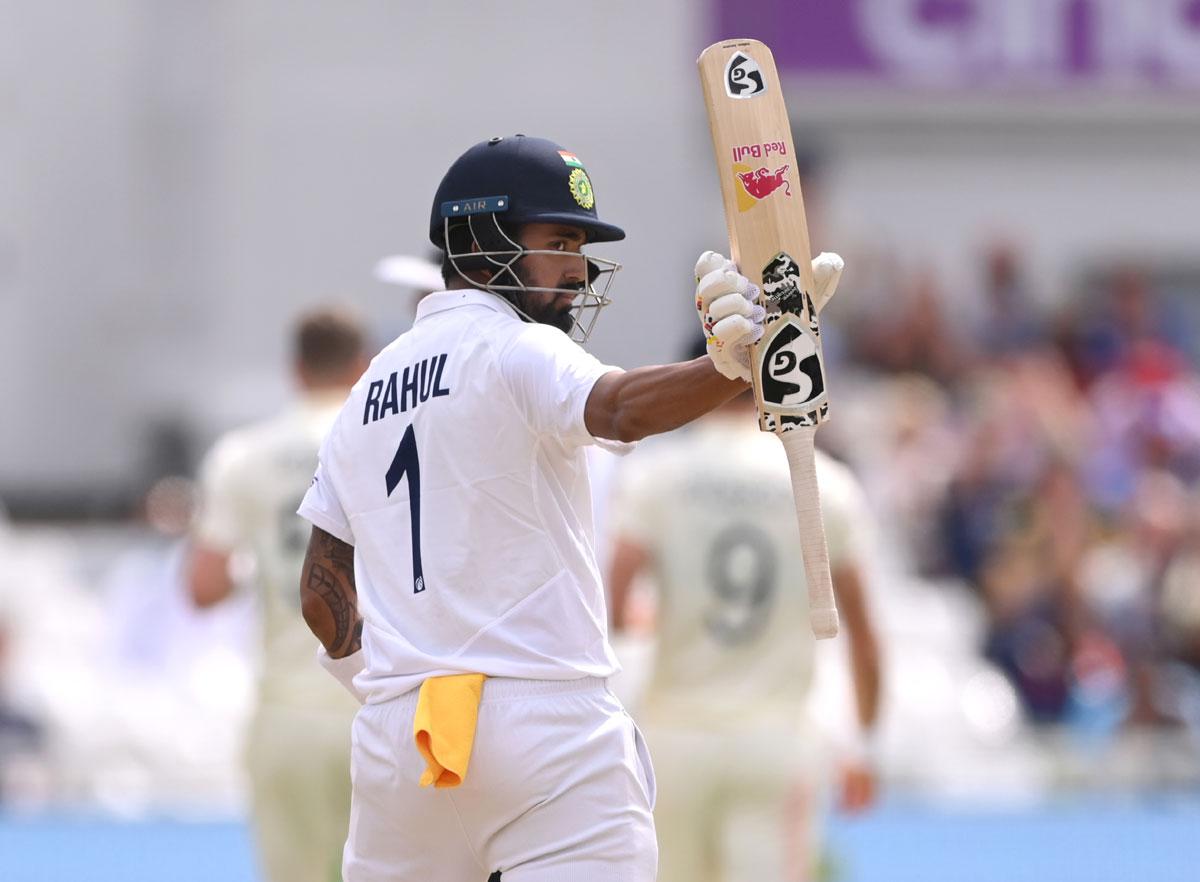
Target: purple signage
(1117,44)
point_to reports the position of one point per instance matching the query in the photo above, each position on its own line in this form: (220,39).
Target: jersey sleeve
(220,517)
(550,378)
(321,506)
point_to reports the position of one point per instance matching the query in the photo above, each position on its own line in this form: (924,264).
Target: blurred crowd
(1037,453)
(115,693)
(1048,459)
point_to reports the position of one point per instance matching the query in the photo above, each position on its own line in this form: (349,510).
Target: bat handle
(822,608)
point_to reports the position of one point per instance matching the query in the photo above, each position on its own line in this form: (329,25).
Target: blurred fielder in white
(708,515)
(298,753)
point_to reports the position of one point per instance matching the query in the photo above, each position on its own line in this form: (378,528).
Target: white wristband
(863,748)
(344,670)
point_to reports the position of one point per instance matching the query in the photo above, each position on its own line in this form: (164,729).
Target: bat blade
(768,240)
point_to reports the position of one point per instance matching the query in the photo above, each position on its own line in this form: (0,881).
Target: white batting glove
(827,271)
(727,303)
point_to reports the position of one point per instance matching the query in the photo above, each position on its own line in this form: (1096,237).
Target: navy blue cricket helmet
(494,188)
(519,179)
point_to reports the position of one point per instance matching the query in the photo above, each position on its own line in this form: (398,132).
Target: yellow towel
(444,727)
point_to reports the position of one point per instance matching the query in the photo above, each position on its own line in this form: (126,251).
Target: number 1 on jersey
(405,464)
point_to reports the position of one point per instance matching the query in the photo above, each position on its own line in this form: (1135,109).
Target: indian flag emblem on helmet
(581,188)
(570,158)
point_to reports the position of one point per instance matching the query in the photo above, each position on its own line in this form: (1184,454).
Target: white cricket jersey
(250,484)
(713,507)
(457,471)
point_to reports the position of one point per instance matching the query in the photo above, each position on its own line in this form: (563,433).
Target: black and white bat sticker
(791,368)
(743,77)
(793,376)
(782,285)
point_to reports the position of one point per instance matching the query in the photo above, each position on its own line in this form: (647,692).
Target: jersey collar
(440,301)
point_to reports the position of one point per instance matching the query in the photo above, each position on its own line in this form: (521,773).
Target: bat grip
(823,614)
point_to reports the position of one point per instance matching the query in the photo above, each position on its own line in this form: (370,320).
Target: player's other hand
(727,303)
(858,788)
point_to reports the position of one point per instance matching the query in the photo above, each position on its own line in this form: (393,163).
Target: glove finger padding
(727,303)
(710,261)
(733,304)
(827,271)
(721,282)
(735,331)
(733,362)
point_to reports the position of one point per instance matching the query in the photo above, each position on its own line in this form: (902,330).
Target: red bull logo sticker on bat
(758,151)
(759,183)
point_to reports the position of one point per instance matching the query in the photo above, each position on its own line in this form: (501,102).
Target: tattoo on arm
(324,584)
(328,595)
(340,555)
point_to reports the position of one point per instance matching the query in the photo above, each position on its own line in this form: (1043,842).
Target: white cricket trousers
(559,789)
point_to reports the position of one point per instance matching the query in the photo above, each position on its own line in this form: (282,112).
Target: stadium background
(1013,185)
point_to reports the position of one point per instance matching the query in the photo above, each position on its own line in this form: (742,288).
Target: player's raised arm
(629,405)
(647,401)
(328,597)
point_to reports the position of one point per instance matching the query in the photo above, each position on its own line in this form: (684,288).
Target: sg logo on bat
(793,377)
(790,367)
(743,77)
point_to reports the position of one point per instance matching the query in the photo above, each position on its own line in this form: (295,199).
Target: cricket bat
(768,240)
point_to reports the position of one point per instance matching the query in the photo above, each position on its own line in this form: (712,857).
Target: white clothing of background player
(251,482)
(708,516)
(451,574)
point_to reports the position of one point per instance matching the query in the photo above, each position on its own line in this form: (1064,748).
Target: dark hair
(327,342)
(491,235)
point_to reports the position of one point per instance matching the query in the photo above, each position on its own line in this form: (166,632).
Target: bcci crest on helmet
(789,366)
(581,188)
